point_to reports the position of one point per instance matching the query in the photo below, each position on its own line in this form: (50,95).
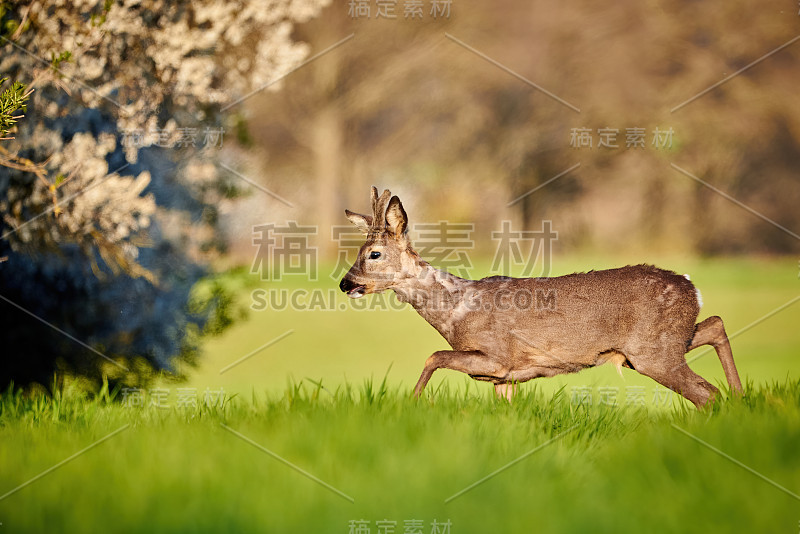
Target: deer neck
(433,293)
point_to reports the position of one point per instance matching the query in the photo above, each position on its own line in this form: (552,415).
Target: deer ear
(396,217)
(362,222)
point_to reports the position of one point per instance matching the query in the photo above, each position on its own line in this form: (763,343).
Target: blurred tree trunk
(326,128)
(703,226)
(653,212)
(327,164)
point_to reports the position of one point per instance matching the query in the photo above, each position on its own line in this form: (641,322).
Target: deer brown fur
(509,330)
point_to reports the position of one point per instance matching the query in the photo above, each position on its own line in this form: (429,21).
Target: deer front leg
(472,362)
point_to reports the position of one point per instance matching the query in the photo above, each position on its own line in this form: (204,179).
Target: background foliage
(108,218)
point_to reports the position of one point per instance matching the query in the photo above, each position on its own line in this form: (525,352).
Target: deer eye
(374,255)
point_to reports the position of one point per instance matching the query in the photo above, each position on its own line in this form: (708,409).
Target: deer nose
(345,285)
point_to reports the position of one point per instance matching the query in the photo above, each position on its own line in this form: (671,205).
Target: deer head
(386,258)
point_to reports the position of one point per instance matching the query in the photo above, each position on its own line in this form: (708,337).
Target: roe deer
(509,330)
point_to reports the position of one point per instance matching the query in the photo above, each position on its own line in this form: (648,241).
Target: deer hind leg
(506,390)
(472,362)
(712,332)
(669,368)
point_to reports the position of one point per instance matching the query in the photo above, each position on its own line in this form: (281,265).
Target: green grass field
(318,432)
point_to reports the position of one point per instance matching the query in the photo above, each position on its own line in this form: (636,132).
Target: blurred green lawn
(552,465)
(541,464)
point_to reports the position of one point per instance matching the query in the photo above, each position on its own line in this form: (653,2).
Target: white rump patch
(696,291)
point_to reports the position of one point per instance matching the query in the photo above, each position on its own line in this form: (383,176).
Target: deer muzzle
(352,289)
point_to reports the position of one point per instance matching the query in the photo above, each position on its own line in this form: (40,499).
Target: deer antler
(379,209)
